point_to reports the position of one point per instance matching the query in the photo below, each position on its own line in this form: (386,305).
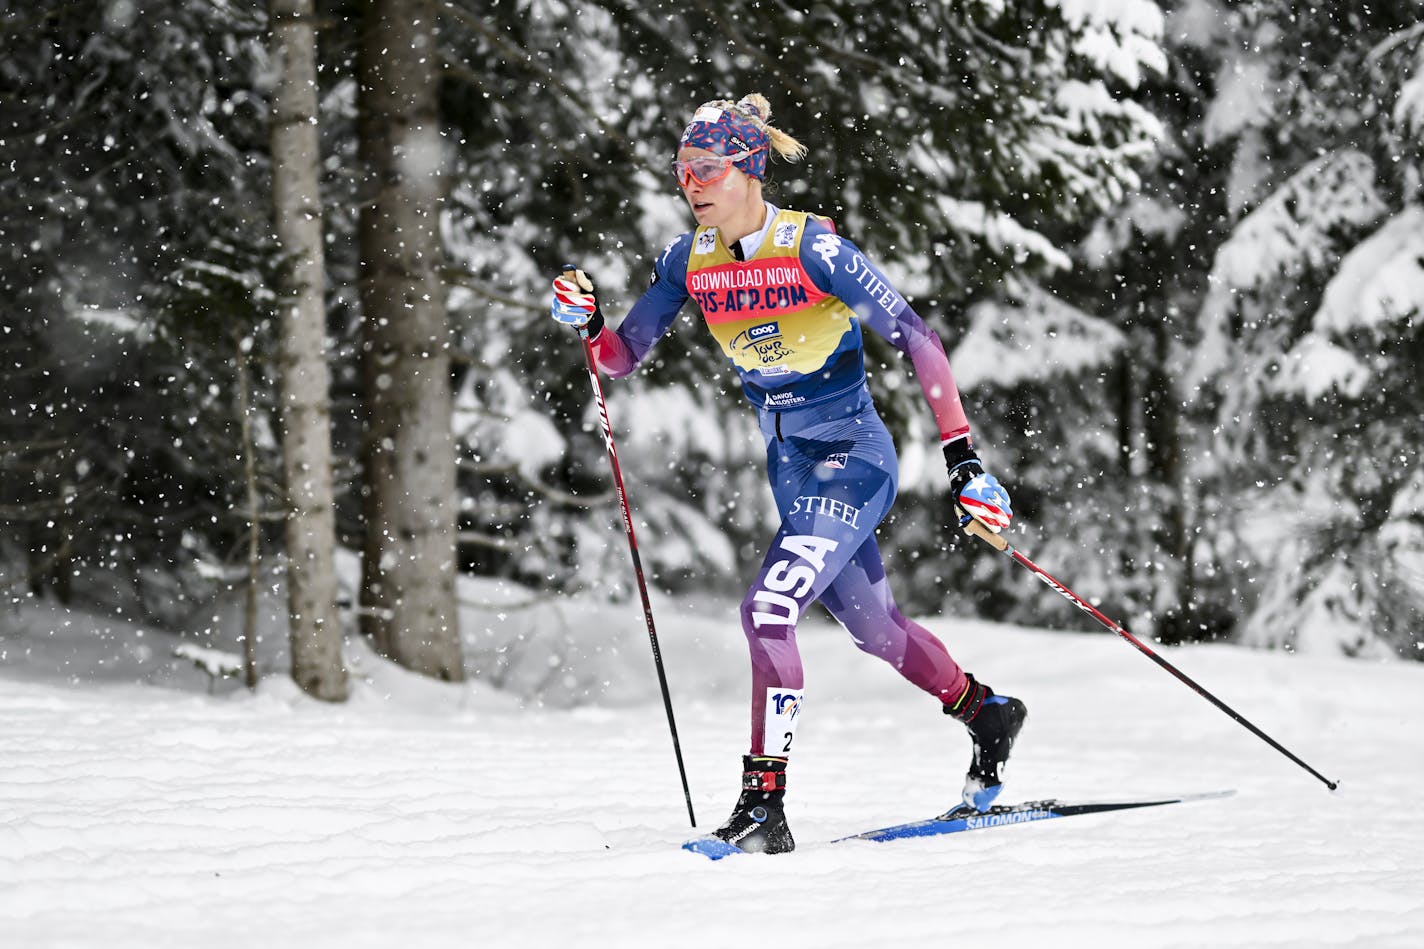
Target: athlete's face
(730,202)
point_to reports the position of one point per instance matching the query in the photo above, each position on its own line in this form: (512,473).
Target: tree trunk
(254,517)
(317,664)
(408,582)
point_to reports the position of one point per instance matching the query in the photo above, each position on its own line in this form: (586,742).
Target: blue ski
(964,817)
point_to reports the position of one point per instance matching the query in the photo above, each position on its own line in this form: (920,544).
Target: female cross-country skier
(786,298)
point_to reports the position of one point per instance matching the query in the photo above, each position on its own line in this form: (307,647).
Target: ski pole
(637,561)
(998,543)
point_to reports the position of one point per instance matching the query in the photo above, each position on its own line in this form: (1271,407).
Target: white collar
(752,242)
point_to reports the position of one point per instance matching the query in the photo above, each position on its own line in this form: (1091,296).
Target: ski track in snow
(433,816)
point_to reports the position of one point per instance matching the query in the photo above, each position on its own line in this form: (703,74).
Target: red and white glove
(575,303)
(975,493)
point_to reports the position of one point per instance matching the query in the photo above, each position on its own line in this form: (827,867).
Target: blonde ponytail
(755,106)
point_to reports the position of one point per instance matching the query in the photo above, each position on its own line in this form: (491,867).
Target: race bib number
(783,709)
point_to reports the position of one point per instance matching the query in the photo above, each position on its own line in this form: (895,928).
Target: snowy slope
(429,816)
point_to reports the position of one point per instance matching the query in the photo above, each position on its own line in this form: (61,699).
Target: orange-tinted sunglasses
(707,169)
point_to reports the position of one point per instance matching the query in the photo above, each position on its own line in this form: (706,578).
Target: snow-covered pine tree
(1263,284)
(1272,169)
(211,355)
(1113,439)
(128,138)
(1311,332)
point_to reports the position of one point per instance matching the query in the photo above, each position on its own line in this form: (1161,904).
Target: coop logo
(757,336)
(762,343)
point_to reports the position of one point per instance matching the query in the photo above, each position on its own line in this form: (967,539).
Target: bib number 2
(783,710)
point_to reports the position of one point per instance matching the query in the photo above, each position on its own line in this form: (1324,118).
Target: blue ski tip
(713,848)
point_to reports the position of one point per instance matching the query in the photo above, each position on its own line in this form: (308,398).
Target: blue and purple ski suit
(787,306)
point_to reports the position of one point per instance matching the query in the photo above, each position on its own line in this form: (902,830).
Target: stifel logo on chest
(739,291)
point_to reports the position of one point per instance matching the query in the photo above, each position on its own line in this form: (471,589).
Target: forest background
(1176,252)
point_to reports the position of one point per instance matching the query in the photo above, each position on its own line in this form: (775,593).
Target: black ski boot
(758,823)
(994,722)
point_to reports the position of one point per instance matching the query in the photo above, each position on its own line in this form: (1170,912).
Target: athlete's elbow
(617,369)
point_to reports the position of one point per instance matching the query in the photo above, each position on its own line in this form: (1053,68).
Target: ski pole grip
(976,528)
(576,276)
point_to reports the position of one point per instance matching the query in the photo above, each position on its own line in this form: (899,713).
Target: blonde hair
(754,107)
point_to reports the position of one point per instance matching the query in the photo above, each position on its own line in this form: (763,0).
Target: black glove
(964,465)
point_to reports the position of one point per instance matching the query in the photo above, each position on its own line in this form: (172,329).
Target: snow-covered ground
(136,810)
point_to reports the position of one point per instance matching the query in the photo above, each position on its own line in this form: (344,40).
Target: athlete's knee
(871,627)
(878,638)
